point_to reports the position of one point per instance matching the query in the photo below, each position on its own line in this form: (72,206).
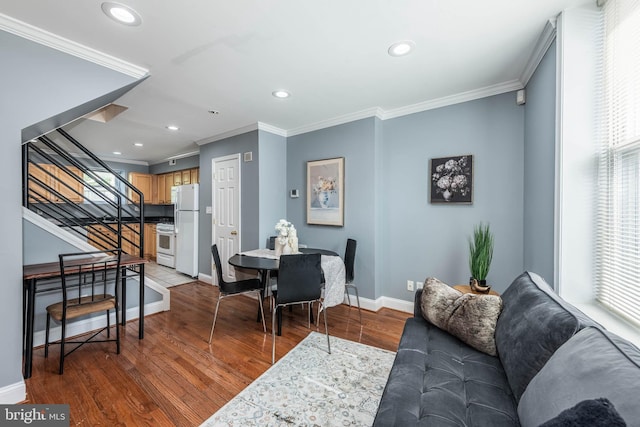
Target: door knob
(234,233)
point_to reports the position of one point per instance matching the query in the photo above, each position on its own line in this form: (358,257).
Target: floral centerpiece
(287,238)
(450,178)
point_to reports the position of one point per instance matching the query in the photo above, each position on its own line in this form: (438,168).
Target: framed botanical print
(325,192)
(452,179)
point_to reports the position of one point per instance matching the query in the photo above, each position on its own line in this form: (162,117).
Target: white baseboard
(13,393)
(205,278)
(382,302)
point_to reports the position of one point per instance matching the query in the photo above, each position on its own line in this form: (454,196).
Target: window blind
(617,257)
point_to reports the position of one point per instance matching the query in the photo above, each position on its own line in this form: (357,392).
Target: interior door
(226,211)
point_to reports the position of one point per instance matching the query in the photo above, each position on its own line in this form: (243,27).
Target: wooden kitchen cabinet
(195,175)
(102,237)
(186,177)
(150,241)
(58,180)
(177,178)
(69,184)
(144,183)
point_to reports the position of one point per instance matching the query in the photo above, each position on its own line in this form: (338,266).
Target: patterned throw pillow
(471,318)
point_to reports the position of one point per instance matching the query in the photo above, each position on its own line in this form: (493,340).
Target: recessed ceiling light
(138,144)
(117,153)
(121,13)
(282,94)
(401,48)
(173,127)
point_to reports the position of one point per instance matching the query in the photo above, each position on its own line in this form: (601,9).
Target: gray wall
(273,183)
(36,83)
(539,168)
(356,142)
(424,239)
(249,199)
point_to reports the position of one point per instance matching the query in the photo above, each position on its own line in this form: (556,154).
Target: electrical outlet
(410,285)
(419,285)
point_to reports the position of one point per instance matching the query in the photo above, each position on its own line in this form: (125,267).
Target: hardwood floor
(173,376)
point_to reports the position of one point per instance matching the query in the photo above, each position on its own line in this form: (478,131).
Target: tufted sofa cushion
(437,380)
(533,324)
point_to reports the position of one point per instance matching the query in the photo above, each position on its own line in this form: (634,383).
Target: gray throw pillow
(469,317)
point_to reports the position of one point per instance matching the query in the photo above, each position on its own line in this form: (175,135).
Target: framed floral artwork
(452,179)
(325,192)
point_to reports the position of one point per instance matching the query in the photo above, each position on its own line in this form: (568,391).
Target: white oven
(166,245)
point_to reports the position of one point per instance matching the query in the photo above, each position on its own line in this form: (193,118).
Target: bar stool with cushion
(228,289)
(86,278)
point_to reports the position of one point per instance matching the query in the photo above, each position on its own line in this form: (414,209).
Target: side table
(466,289)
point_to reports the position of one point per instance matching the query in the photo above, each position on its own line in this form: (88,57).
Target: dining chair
(349,262)
(299,282)
(86,279)
(229,289)
(272,242)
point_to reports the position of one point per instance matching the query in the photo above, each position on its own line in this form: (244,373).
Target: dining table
(265,262)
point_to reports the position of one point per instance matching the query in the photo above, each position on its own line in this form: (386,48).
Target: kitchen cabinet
(150,241)
(164,182)
(177,178)
(144,183)
(186,177)
(70,184)
(58,180)
(101,236)
(131,239)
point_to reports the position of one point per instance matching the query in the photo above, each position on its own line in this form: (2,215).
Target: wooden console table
(32,273)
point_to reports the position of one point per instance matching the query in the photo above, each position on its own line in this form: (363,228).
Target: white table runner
(332,267)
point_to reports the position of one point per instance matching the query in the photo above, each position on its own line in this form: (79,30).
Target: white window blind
(617,258)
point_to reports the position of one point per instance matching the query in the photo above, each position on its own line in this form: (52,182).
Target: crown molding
(228,134)
(542,45)
(272,129)
(346,118)
(459,98)
(38,35)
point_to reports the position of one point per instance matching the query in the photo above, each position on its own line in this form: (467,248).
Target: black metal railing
(67,184)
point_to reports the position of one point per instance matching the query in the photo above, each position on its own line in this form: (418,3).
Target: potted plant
(480,255)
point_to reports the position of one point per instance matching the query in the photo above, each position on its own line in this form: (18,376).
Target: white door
(226,211)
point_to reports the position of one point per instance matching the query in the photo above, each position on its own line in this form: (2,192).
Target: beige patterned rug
(309,387)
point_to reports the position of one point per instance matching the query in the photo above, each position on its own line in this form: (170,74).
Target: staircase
(68,185)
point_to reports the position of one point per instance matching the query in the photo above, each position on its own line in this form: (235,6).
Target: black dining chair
(349,262)
(299,282)
(240,287)
(86,280)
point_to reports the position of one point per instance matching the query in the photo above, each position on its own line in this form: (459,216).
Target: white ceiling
(331,55)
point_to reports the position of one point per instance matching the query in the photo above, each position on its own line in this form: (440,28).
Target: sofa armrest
(417,309)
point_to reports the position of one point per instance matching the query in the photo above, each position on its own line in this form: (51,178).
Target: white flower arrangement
(286,231)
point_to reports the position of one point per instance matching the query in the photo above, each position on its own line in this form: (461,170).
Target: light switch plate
(208,209)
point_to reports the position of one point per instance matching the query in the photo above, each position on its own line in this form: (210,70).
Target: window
(618,209)
(93,189)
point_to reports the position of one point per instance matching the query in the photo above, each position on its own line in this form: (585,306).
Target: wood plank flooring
(173,377)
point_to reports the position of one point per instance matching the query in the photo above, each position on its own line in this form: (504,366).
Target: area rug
(309,387)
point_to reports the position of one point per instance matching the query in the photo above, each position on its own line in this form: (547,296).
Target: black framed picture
(451,179)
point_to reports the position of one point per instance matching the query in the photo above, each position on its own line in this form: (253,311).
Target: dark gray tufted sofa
(550,357)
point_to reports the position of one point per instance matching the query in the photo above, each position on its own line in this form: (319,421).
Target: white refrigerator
(186,223)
